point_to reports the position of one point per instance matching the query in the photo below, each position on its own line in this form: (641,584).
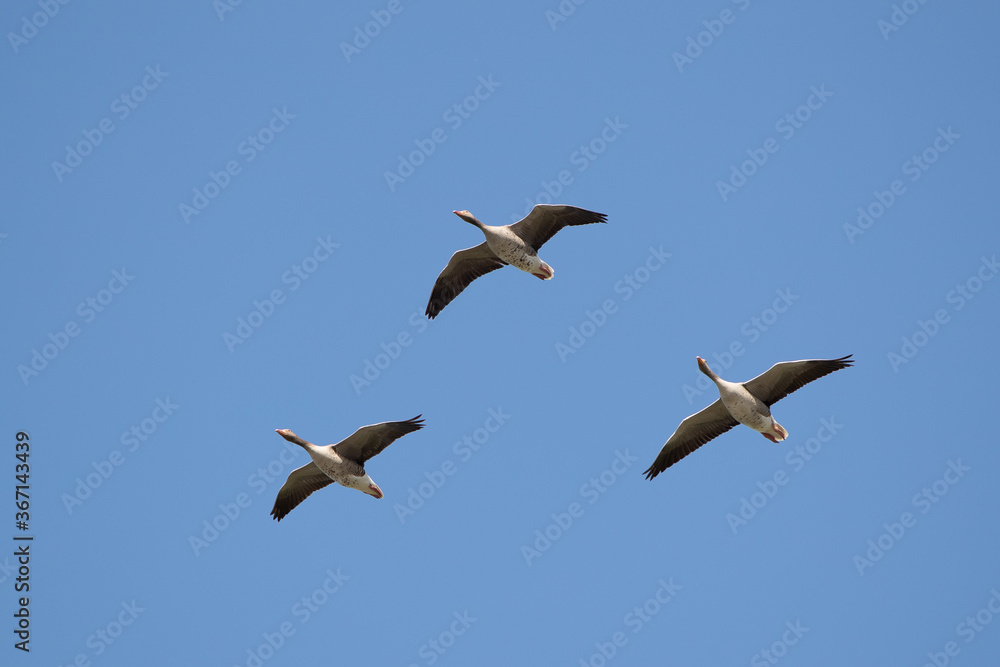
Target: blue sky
(221,217)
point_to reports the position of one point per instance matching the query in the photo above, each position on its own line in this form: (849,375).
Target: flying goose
(343,463)
(517,244)
(747,403)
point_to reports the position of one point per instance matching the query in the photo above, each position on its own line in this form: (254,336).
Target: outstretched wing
(783,378)
(464,267)
(546,219)
(300,483)
(368,441)
(693,432)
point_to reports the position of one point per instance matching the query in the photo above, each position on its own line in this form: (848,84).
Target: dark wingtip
(842,362)
(435,306)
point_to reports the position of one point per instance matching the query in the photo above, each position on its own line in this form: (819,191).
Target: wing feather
(546,219)
(464,267)
(694,431)
(783,378)
(368,441)
(300,483)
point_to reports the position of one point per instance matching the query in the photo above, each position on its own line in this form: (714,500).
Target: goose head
(468,217)
(703,367)
(287,434)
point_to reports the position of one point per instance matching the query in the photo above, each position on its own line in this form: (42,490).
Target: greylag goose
(748,403)
(343,463)
(516,244)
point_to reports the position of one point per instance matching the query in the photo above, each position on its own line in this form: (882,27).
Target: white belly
(334,469)
(513,251)
(747,409)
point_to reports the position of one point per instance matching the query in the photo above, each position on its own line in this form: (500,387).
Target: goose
(516,244)
(748,403)
(343,463)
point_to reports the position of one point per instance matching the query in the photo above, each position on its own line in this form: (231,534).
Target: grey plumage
(769,387)
(343,462)
(521,240)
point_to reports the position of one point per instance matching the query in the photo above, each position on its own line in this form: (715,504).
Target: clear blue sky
(214,219)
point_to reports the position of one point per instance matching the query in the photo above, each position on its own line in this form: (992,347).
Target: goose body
(343,463)
(748,403)
(516,244)
(512,249)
